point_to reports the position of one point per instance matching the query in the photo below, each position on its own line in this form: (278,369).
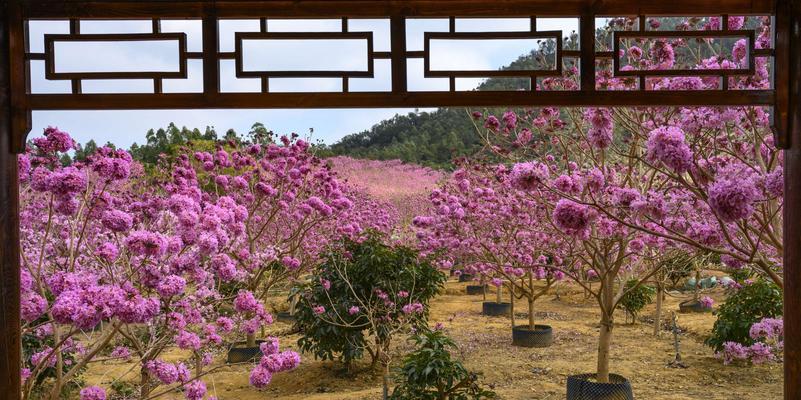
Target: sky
(128,126)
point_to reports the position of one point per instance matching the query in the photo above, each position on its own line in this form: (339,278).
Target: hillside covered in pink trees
(406,186)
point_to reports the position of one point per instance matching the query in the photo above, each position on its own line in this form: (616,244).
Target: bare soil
(521,373)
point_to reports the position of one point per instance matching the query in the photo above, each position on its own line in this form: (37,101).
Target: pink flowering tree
(704,180)
(710,177)
(104,261)
(404,188)
(485,225)
(291,205)
(596,245)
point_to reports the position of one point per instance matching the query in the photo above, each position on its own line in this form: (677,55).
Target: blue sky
(125,127)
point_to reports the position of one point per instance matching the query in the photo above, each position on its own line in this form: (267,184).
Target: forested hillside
(434,138)
(425,138)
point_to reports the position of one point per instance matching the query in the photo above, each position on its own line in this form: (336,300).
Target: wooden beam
(387,8)
(389,99)
(397,27)
(790,28)
(10,343)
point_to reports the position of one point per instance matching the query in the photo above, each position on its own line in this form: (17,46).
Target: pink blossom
(260,377)
(246,302)
(733,351)
(732,199)
(572,217)
(107,252)
(93,393)
(171,285)
(774,182)
(146,243)
(188,340)
(666,145)
(54,141)
(529,175)
(413,308)
(269,346)
(195,390)
(601,127)
(165,372)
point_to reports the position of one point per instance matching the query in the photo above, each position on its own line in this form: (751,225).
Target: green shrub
(740,275)
(748,305)
(377,278)
(429,373)
(636,298)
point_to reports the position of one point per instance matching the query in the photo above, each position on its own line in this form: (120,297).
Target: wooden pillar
(10,345)
(792,200)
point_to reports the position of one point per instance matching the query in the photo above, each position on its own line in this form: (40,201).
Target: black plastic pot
(475,289)
(541,336)
(465,277)
(584,387)
(241,353)
(693,306)
(494,309)
(285,316)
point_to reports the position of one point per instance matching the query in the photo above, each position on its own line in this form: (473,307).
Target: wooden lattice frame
(17,101)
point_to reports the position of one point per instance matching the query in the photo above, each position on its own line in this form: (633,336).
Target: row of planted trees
(120,264)
(613,194)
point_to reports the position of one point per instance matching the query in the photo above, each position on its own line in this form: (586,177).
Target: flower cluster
(666,145)
(768,336)
(272,361)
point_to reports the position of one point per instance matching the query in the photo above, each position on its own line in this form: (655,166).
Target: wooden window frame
(17,102)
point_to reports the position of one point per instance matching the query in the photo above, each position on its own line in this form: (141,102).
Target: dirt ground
(520,373)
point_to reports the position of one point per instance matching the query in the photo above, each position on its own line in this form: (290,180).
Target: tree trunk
(531,313)
(658,313)
(144,382)
(604,344)
(512,303)
(251,340)
(293,303)
(531,300)
(385,378)
(499,295)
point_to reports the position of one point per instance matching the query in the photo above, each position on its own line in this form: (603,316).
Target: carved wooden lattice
(396,14)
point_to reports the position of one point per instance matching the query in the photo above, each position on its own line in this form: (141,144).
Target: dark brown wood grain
(385,8)
(10,344)
(781,119)
(397,28)
(407,99)
(790,29)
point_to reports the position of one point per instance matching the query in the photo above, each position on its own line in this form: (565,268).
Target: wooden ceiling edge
(43,9)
